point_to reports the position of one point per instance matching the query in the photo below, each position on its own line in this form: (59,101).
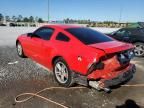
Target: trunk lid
(112,46)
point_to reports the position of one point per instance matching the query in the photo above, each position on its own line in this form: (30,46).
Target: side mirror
(30,34)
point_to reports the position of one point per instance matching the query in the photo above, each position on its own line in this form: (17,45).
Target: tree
(20,18)
(31,19)
(26,19)
(40,20)
(67,20)
(7,18)
(14,18)
(36,19)
(1,17)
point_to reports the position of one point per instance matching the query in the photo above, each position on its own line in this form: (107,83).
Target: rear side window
(44,33)
(62,37)
(88,36)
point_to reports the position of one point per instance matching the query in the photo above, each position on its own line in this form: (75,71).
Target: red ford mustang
(79,55)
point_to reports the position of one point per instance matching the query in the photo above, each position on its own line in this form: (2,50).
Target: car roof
(62,26)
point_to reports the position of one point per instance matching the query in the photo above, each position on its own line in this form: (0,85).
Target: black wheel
(62,73)
(139,49)
(20,50)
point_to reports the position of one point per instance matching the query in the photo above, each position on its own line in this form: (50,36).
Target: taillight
(95,66)
(125,56)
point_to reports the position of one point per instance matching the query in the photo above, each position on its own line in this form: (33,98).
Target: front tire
(62,73)
(139,49)
(20,50)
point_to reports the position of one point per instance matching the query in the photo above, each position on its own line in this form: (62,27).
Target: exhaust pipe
(97,85)
(107,90)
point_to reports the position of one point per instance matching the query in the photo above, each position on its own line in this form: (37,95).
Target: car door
(37,43)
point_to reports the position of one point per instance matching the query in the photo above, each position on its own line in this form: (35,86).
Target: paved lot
(23,75)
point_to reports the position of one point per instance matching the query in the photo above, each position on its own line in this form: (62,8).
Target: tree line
(68,20)
(20,18)
(88,21)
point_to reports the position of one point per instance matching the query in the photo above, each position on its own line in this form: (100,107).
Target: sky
(97,10)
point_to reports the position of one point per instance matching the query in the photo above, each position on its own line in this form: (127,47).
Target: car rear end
(111,64)
(114,68)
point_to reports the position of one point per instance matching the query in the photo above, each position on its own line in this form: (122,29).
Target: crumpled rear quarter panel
(112,68)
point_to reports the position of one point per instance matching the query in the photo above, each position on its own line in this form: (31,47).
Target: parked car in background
(131,35)
(79,55)
(2,24)
(12,24)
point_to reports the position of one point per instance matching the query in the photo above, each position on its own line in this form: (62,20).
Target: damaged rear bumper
(124,77)
(105,84)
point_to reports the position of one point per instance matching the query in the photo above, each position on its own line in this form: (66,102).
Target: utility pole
(120,17)
(48,11)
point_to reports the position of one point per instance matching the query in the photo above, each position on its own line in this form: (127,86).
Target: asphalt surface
(19,75)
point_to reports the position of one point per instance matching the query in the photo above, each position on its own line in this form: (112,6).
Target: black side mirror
(30,34)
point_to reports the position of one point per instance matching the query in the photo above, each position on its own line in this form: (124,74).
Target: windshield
(88,36)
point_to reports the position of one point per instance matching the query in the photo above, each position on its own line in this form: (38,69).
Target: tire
(139,49)
(62,73)
(20,50)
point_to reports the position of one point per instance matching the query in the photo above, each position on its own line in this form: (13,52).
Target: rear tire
(20,50)
(139,49)
(62,73)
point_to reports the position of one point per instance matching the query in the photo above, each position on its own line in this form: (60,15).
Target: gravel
(19,75)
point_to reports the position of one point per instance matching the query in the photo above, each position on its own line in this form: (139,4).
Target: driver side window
(44,33)
(123,33)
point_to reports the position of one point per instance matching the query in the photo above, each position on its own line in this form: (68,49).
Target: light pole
(120,17)
(48,10)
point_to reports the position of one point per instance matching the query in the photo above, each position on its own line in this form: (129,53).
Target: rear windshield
(88,36)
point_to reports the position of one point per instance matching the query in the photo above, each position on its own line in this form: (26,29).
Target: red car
(79,55)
